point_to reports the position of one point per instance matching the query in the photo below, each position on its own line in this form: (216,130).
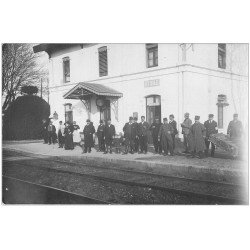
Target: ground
(128,179)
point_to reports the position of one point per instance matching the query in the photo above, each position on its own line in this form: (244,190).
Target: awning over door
(84,90)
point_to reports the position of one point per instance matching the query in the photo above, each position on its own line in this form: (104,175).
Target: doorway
(105,113)
(153,108)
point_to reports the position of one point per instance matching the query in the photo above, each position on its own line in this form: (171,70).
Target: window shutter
(103,61)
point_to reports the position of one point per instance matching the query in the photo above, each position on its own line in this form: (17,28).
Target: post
(41,88)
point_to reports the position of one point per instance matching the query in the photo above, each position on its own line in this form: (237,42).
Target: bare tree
(19,67)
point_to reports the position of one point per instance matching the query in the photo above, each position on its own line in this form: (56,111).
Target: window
(66,69)
(152,55)
(222,55)
(103,61)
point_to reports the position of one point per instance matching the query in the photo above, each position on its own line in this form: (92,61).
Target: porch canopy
(85,90)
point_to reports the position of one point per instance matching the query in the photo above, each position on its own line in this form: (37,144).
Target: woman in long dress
(76,134)
(68,132)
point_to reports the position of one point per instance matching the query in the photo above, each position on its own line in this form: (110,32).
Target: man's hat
(197,117)
(235,115)
(210,115)
(87,120)
(165,119)
(131,118)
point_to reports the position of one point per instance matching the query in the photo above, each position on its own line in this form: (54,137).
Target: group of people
(136,135)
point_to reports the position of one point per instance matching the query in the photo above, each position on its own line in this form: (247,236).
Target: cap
(210,115)
(197,117)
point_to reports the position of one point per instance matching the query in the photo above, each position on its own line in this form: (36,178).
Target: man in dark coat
(88,132)
(211,128)
(68,137)
(45,131)
(136,138)
(51,133)
(186,125)
(173,123)
(235,128)
(143,135)
(198,131)
(100,135)
(60,134)
(154,128)
(130,133)
(109,134)
(165,136)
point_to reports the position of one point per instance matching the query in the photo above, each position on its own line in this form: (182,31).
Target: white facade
(187,79)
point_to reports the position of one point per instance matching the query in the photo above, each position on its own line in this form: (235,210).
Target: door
(153,106)
(105,113)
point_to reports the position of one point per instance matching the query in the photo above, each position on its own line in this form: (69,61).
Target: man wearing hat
(143,135)
(100,136)
(130,133)
(235,128)
(155,128)
(173,123)
(165,137)
(186,125)
(211,128)
(136,138)
(198,131)
(109,134)
(88,132)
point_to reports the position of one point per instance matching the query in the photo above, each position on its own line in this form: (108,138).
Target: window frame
(222,53)
(103,72)
(66,75)
(152,48)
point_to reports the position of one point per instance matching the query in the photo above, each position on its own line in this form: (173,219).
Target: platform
(217,169)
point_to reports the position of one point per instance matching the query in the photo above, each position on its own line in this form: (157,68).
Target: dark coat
(155,128)
(143,129)
(211,128)
(68,140)
(130,131)
(100,131)
(174,126)
(88,132)
(198,131)
(235,129)
(109,133)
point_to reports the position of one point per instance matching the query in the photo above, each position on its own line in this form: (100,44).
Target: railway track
(146,180)
(52,195)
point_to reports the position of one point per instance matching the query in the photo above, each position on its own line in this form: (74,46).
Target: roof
(84,90)
(48,47)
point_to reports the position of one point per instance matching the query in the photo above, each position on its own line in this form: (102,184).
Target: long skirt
(76,136)
(69,144)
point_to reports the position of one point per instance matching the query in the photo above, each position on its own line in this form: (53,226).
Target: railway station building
(101,81)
